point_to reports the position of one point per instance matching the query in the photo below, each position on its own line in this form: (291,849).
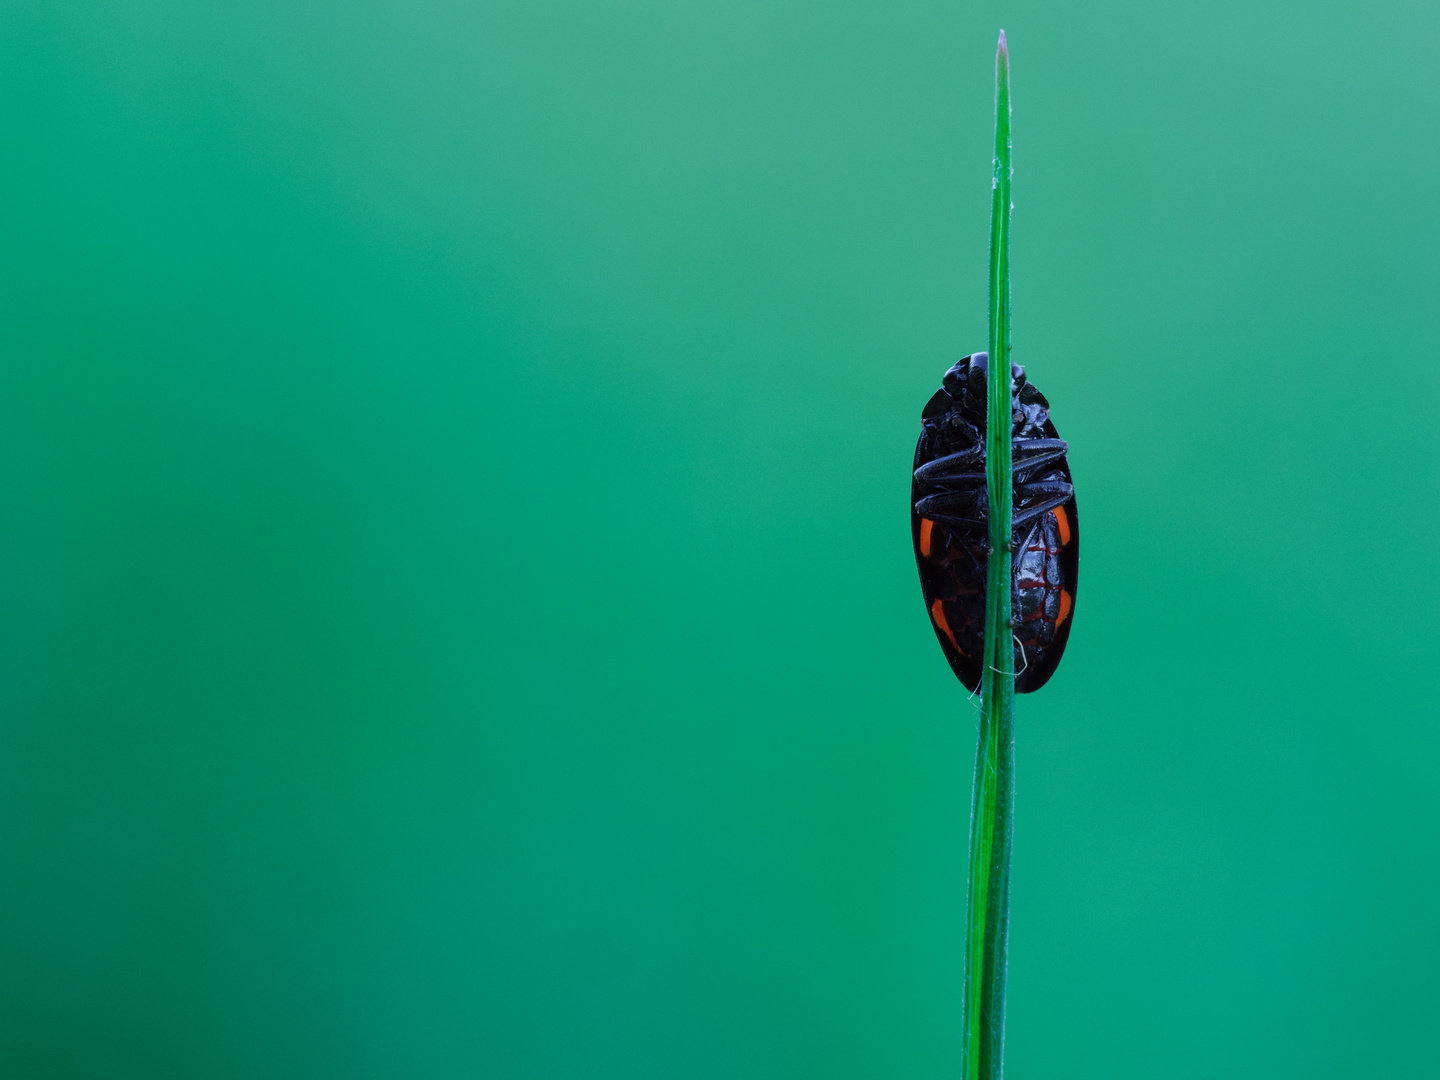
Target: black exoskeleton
(949,525)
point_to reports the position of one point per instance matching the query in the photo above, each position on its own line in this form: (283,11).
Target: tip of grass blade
(1002,51)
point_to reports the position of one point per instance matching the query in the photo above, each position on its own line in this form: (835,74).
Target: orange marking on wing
(1062,520)
(937,612)
(926,528)
(1065,605)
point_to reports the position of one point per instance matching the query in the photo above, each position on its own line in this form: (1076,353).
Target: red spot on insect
(937,612)
(1065,605)
(1063,521)
(926,528)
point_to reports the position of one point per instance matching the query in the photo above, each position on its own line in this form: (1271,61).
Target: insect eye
(1030,396)
(977,380)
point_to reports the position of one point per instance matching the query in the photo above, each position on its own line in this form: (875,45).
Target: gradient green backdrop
(457,606)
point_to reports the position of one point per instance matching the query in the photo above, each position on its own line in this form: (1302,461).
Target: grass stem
(993,794)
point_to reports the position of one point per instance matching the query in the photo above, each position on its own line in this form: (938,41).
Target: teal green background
(457,616)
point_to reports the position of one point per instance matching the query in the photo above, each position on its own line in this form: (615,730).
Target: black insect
(949,516)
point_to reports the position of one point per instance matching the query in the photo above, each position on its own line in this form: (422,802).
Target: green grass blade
(993,796)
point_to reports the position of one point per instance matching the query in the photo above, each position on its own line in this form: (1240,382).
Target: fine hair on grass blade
(993,795)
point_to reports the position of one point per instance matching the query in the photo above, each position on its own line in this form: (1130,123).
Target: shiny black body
(949,525)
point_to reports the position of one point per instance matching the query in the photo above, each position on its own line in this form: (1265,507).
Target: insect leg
(1043,487)
(1030,513)
(952,468)
(1036,446)
(958,506)
(1029,453)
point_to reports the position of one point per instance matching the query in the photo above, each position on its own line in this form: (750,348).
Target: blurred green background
(457,606)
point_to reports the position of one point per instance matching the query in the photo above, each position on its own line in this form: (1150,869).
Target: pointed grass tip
(1002,50)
